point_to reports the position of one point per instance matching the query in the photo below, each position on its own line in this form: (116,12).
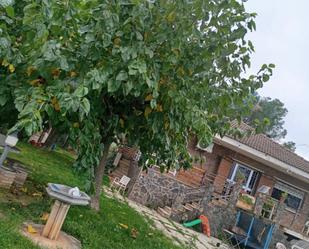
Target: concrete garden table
(50,235)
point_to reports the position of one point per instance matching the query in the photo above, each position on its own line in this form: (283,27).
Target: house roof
(268,146)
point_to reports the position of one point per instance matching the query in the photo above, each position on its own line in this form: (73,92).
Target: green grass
(96,230)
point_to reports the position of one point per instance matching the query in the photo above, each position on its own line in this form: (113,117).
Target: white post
(10,141)
(4,154)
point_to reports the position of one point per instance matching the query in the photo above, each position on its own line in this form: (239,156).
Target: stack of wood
(192,177)
(125,158)
(21,175)
(130,153)
(7,177)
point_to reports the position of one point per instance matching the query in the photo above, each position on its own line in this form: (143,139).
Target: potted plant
(267,209)
(245,202)
(196,159)
(283,197)
(240,177)
(202,160)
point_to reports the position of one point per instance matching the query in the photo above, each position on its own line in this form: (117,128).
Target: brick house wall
(296,221)
(266,180)
(223,172)
(220,162)
(212,159)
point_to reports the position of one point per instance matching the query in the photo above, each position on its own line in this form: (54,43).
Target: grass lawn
(95,230)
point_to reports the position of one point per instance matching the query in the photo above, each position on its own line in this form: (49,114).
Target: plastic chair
(229,238)
(121,184)
(281,246)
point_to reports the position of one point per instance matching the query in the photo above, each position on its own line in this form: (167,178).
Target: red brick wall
(286,218)
(212,159)
(224,167)
(192,177)
(222,174)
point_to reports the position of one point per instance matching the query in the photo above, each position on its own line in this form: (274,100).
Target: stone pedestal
(259,202)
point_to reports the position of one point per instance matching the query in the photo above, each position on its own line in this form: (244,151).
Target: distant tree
(290,145)
(271,113)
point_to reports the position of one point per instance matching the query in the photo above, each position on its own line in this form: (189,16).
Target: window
(294,197)
(306,228)
(250,176)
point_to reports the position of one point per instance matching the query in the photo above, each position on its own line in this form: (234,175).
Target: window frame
(287,188)
(232,176)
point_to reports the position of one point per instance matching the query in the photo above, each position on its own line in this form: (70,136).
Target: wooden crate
(21,175)
(7,177)
(122,169)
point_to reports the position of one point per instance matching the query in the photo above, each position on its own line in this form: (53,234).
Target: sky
(282,38)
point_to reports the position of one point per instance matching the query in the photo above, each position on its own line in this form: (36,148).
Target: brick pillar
(235,194)
(279,211)
(268,181)
(259,202)
(222,174)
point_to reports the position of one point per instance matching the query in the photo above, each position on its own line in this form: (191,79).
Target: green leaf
(6,3)
(153,103)
(81,91)
(139,36)
(85,105)
(4,43)
(122,76)
(64,63)
(264,66)
(149,52)
(113,85)
(138,65)
(128,87)
(10,11)
(3,99)
(265,77)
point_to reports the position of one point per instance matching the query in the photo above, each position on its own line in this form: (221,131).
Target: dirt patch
(19,197)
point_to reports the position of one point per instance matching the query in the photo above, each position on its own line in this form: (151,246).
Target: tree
(290,145)
(155,71)
(271,112)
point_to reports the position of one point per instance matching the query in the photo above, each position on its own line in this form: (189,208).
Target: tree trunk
(51,138)
(99,173)
(133,173)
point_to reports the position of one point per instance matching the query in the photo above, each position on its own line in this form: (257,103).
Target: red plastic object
(205,225)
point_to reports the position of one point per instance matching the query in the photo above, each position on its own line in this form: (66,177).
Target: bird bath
(62,193)
(50,235)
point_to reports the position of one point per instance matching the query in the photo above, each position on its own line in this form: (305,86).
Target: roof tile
(268,146)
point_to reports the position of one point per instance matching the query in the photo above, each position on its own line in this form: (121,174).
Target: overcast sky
(282,38)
